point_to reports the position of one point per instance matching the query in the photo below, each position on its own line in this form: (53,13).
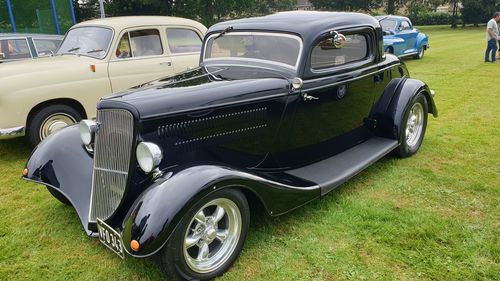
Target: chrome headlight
(87,131)
(149,156)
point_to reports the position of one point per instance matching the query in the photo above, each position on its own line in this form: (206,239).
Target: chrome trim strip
(345,81)
(201,108)
(11,133)
(111,171)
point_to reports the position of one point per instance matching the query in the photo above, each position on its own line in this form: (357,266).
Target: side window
(46,47)
(140,43)
(181,40)
(15,49)
(145,42)
(324,55)
(405,25)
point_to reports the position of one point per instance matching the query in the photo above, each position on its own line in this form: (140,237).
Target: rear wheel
(413,127)
(49,119)
(421,52)
(209,238)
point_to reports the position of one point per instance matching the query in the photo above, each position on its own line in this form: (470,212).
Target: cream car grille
(112,152)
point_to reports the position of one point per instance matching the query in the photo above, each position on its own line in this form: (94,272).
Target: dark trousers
(492,48)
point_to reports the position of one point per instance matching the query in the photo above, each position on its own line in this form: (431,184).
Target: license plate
(110,237)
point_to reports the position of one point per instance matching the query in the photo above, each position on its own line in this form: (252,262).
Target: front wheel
(209,238)
(413,127)
(50,119)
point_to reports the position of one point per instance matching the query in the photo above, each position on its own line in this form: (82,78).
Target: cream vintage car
(96,58)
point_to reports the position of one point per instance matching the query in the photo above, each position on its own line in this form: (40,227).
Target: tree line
(211,11)
(206,11)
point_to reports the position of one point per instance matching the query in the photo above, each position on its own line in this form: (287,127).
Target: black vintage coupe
(282,109)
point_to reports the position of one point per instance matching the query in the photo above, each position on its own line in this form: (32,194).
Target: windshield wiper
(73,49)
(229,28)
(95,51)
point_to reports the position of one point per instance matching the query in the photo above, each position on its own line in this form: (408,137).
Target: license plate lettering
(110,237)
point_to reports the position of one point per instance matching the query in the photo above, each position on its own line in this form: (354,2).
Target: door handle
(307,97)
(167,63)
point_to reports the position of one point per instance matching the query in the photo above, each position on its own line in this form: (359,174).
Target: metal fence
(36,16)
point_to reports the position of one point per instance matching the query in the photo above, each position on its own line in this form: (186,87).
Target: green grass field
(435,216)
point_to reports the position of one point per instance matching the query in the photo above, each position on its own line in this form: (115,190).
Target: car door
(329,112)
(139,56)
(184,46)
(409,34)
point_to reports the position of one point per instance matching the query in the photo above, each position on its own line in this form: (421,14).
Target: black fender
(155,214)
(389,110)
(62,163)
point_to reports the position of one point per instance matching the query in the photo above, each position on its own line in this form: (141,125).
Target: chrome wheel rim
(212,235)
(414,124)
(54,123)
(421,52)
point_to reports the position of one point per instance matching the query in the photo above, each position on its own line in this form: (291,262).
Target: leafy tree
(345,5)
(477,11)
(206,11)
(85,10)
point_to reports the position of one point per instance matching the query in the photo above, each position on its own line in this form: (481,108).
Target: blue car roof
(392,17)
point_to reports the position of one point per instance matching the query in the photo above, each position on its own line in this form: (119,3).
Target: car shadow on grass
(14,150)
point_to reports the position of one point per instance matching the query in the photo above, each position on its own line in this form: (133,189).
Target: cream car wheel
(54,123)
(49,119)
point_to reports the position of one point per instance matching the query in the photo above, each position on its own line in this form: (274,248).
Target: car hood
(42,64)
(45,71)
(194,90)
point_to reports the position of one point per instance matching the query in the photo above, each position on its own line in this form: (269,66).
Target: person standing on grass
(492,37)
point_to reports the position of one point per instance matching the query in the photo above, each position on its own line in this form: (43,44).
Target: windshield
(283,49)
(388,24)
(89,41)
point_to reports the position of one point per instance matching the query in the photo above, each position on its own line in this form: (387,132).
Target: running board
(336,170)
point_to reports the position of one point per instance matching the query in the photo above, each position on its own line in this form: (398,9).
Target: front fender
(155,214)
(61,162)
(390,108)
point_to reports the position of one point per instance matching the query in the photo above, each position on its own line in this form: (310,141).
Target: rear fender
(62,163)
(390,108)
(422,40)
(156,213)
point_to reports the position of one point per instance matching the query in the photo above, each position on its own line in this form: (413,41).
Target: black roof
(300,22)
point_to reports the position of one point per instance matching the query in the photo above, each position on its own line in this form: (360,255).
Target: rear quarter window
(355,49)
(182,40)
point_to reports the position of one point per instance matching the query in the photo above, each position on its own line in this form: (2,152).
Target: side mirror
(2,56)
(334,40)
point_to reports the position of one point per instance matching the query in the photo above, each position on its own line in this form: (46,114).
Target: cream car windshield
(88,41)
(247,47)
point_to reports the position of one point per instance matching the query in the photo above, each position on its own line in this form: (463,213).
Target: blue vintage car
(401,38)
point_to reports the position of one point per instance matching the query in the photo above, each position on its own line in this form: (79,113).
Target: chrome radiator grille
(112,152)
